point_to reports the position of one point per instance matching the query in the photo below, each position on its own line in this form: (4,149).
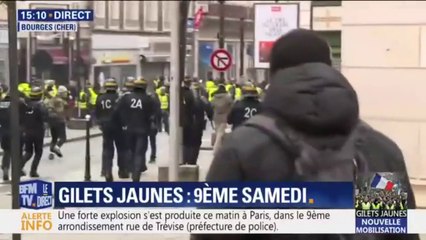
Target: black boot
(109,177)
(123,174)
(5,174)
(136,177)
(152,159)
(34,174)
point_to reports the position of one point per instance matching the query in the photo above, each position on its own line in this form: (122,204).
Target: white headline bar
(152,220)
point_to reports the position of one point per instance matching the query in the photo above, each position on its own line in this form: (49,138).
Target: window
(114,14)
(166,16)
(326,3)
(100,9)
(151,15)
(131,14)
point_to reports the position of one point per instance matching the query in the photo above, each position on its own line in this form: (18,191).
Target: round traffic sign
(221,60)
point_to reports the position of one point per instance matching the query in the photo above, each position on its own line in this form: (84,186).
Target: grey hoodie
(222,105)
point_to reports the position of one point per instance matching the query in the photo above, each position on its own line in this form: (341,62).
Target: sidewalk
(72,136)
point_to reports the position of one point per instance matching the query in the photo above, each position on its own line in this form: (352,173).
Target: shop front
(118,64)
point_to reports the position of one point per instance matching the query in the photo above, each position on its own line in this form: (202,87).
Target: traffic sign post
(221,60)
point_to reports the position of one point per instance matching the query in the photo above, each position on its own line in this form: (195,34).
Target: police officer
(187,119)
(5,132)
(201,108)
(112,135)
(245,108)
(136,112)
(35,116)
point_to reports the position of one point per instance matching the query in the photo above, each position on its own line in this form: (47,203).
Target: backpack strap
(268,126)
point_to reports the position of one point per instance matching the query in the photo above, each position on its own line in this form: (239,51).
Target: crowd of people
(131,118)
(381,200)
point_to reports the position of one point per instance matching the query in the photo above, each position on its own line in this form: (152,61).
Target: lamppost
(14,111)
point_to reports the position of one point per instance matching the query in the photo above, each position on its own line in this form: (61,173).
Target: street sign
(221,60)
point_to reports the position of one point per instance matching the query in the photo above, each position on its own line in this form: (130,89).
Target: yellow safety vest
(93,96)
(229,87)
(376,206)
(82,103)
(391,207)
(158,91)
(259,90)
(210,88)
(365,206)
(164,100)
(211,93)
(238,93)
(3,95)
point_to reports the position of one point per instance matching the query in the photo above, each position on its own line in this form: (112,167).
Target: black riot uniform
(187,119)
(135,111)
(36,115)
(245,108)
(5,132)
(112,135)
(202,108)
(152,137)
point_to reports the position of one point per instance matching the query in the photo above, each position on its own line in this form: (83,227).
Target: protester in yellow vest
(93,96)
(211,88)
(238,93)
(82,100)
(165,104)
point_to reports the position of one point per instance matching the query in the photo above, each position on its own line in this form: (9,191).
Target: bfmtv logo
(36,194)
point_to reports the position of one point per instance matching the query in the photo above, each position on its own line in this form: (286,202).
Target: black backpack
(316,165)
(310,163)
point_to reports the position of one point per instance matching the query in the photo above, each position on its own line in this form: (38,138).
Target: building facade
(49,55)
(4,46)
(384,57)
(131,38)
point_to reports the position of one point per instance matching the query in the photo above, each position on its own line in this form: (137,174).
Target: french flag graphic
(381,183)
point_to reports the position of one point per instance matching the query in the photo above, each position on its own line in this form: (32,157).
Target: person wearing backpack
(310,107)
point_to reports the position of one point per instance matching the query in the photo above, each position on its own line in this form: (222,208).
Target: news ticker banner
(52,20)
(185,220)
(276,195)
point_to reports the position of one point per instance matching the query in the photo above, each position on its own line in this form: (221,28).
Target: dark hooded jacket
(318,102)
